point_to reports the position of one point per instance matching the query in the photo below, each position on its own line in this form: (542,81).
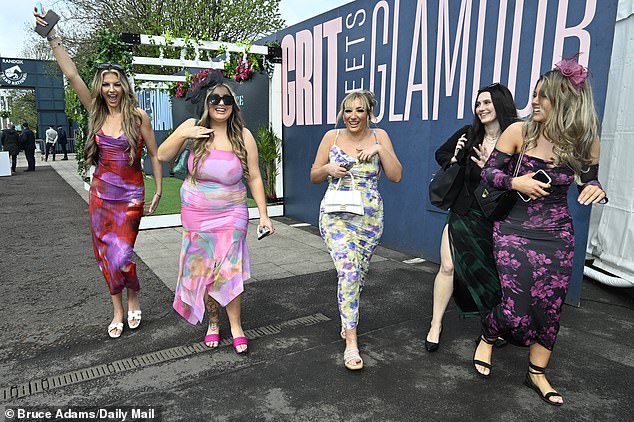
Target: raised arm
(322,168)
(175,143)
(496,171)
(389,161)
(448,152)
(66,64)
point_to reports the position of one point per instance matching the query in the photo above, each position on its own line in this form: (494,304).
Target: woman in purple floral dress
(357,153)
(534,245)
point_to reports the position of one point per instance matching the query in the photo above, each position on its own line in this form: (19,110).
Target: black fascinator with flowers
(199,86)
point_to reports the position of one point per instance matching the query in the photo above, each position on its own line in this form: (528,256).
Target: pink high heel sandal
(239,341)
(213,337)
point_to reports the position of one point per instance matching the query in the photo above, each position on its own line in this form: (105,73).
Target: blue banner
(424,60)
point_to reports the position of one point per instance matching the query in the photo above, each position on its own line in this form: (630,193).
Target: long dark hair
(505,110)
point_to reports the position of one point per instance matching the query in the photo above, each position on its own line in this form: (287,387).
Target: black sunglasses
(226,99)
(110,66)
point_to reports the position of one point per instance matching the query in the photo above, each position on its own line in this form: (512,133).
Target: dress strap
(376,140)
(336,136)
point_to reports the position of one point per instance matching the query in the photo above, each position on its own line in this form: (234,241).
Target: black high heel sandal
(479,362)
(430,346)
(538,370)
(499,342)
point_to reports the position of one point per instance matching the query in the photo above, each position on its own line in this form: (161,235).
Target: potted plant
(270,152)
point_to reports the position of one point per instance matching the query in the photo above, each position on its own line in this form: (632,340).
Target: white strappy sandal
(352,360)
(113,328)
(134,319)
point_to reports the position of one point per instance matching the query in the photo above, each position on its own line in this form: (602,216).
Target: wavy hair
(130,117)
(505,110)
(571,126)
(235,127)
(368,100)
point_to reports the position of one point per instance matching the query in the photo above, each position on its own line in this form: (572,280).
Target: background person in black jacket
(467,268)
(62,140)
(27,142)
(11,144)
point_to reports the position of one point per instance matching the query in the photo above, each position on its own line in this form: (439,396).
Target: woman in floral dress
(351,239)
(534,245)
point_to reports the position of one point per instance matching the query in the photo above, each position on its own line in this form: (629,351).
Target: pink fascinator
(572,71)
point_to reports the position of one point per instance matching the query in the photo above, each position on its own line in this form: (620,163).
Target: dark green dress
(476,282)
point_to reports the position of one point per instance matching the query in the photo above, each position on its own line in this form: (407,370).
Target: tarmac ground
(55,351)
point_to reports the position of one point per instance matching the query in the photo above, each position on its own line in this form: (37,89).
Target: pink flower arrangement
(180,90)
(198,77)
(244,69)
(191,82)
(572,71)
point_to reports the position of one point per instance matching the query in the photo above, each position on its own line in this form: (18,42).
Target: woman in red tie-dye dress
(117,130)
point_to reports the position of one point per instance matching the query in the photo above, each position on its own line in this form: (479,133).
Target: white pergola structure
(144,80)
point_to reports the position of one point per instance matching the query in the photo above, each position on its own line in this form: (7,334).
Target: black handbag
(496,204)
(445,185)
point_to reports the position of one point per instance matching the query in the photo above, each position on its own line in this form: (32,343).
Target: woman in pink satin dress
(214,259)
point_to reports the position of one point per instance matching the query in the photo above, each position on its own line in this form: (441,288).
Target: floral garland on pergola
(239,67)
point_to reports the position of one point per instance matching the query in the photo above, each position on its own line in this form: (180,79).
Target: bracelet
(157,194)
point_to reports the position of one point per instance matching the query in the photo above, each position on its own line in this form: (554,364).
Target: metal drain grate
(94,372)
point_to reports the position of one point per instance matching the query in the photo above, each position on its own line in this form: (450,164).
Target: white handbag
(349,201)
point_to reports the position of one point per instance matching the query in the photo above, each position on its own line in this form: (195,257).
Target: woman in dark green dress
(467,270)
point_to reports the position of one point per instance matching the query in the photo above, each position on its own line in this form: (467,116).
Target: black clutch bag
(496,204)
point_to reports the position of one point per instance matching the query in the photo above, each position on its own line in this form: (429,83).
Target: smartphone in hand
(51,18)
(348,165)
(262,233)
(541,176)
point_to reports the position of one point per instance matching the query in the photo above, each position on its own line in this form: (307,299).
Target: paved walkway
(54,350)
(304,253)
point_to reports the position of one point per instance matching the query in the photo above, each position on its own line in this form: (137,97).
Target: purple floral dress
(351,239)
(533,248)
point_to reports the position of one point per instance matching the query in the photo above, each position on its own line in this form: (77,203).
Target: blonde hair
(572,125)
(235,127)
(130,116)
(368,101)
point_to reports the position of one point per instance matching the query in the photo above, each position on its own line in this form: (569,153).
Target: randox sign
(46,79)
(12,73)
